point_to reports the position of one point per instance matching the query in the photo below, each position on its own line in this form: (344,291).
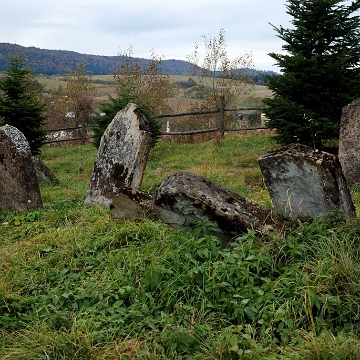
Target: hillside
(50,62)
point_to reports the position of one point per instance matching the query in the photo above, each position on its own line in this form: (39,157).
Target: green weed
(75,284)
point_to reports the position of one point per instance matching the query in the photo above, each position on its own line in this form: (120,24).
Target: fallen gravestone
(132,205)
(304,182)
(183,199)
(43,173)
(19,189)
(349,144)
(122,156)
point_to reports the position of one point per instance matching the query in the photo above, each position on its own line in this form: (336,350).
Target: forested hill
(49,62)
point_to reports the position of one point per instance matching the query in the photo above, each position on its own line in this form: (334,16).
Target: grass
(74,284)
(232,163)
(178,103)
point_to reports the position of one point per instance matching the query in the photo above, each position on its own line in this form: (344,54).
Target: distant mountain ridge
(50,62)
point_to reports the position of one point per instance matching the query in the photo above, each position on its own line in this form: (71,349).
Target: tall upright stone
(122,156)
(304,182)
(19,188)
(349,144)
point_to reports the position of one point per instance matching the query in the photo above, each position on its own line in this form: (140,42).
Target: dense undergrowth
(74,284)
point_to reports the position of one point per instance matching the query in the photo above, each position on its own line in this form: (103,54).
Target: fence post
(222,118)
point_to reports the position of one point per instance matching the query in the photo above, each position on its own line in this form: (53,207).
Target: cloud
(103,27)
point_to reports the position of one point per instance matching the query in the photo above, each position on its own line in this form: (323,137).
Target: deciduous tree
(226,78)
(220,79)
(148,83)
(80,91)
(145,86)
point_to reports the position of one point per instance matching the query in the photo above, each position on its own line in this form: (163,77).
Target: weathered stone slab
(304,182)
(43,173)
(132,205)
(122,156)
(349,144)
(19,189)
(183,199)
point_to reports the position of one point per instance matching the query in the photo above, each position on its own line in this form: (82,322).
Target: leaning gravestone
(122,156)
(304,182)
(19,189)
(349,144)
(183,199)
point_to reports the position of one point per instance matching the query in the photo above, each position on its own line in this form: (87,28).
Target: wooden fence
(221,124)
(220,128)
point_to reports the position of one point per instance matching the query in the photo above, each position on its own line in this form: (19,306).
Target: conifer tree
(320,71)
(20,103)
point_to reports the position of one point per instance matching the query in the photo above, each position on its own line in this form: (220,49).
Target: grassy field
(178,103)
(75,284)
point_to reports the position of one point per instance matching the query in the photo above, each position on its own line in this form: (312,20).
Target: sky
(169,28)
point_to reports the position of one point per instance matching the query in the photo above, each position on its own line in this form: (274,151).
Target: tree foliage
(80,90)
(21,104)
(148,83)
(320,71)
(225,78)
(146,86)
(53,62)
(108,110)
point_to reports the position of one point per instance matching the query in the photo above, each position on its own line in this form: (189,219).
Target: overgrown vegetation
(145,86)
(224,78)
(109,109)
(77,285)
(80,91)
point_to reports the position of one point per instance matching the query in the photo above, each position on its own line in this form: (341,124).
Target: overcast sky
(170,27)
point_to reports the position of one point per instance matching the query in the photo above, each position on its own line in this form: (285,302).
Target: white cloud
(102,27)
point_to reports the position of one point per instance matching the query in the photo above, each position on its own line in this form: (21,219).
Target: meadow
(105,86)
(75,284)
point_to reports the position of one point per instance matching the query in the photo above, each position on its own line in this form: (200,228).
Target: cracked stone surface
(303,182)
(19,188)
(185,198)
(122,156)
(349,144)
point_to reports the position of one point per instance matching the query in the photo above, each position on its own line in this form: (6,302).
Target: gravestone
(122,156)
(133,205)
(19,189)
(183,199)
(43,173)
(304,182)
(349,144)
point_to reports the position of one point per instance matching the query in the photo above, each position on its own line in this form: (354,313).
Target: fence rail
(203,112)
(221,128)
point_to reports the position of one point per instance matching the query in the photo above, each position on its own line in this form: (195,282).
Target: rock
(349,144)
(183,199)
(43,173)
(132,205)
(122,156)
(303,182)
(19,189)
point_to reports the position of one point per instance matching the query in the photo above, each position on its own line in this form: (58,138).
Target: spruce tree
(20,103)
(320,71)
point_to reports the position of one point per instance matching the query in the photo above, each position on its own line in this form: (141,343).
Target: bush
(114,105)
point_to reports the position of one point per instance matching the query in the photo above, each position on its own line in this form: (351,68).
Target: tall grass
(75,284)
